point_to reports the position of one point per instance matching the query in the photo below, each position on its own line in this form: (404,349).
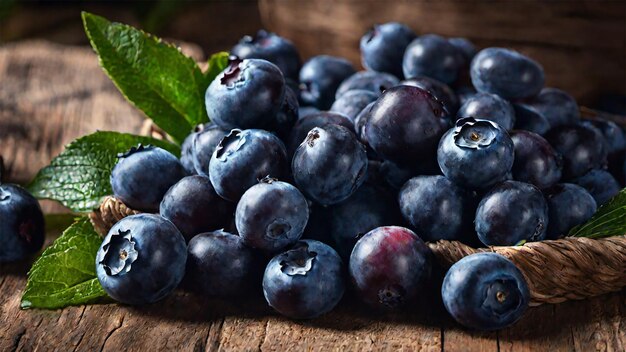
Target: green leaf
(217,64)
(65,274)
(609,220)
(79,177)
(155,76)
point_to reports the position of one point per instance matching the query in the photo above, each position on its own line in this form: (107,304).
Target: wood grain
(51,94)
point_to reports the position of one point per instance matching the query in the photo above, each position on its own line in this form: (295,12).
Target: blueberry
(287,115)
(273,48)
(569,205)
(435,207)
(353,102)
(203,145)
(476,153)
(439,90)
(485,291)
(330,164)
(529,119)
(395,175)
(361,120)
(307,110)
(600,184)
(510,213)
(22,227)
(536,161)
(405,125)
(320,77)
(506,73)
(242,158)
(368,208)
(389,267)
(186,154)
(463,93)
(558,107)
(194,207)
(219,264)
(383,46)
(375,82)
(247,94)
(432,56)
(271,215)
(490,107)
(305,281)
(581,147)
(141,260)
(613,135)
(309,122)
(467,49)
(143,175)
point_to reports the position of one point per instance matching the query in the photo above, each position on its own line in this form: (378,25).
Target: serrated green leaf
(217,63)
(155,76)
(65,274)
(609,220)
(79,177)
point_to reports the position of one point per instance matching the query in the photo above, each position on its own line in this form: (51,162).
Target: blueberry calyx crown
(119,253)
(371,34)
(312,136)
(474,134)
(233,73)
(277,229)
(392,296)
(199,128)
(298,260)
(502,297)
(231,143)
(139,148)
(268,179)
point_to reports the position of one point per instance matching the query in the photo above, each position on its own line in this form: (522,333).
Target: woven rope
(110,212)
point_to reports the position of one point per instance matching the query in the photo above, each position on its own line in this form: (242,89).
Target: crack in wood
(18,338)
(82,335)
(214,345)
(264,336)
(121,322)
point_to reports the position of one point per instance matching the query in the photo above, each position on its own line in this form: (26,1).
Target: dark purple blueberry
(405,125)
(309,122)
(432,56)
(287,115)
(368,208)
(194,207)
(219,264)
(600,184)
(485,291)
(389,267)
(439,90)
(476,153)
(242,158)
(581,147)
(506,73)
(375,82)
(569,205)
(304,282)
(271,47)
(511,213)
(558,107)
(330,164)
(22,226)
(612,133)
(320,77)
(535,161)
(383,46)
(353,102)
(141,260)
(435,207)
(143,175)
(271,215)
(490,107)
(247,94)
(529,119)
(203,145)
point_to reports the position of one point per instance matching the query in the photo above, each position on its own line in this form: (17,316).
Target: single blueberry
(432,56)
(22,225)
(490,107)
(383,46)
(304,282)
(485,291)
(535,161)
(374,82)
(476,153)
(141,260)
(511,213)
(389,267)
(353,102)
(439,90)
(330,164)
(600,184)
(558,107)
(247,94)
(203,145)
(143,175)
(529,119)
(320,77)
(506,73)
(581,147)
(194,207)
(242,158)
(569,205)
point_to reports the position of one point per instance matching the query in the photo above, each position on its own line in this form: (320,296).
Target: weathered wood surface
(50,94)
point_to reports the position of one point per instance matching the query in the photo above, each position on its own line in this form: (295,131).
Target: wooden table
(50,94)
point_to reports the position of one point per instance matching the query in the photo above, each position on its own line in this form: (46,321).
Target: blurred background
(581,44)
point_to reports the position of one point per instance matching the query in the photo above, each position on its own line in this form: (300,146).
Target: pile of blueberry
(315,179)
